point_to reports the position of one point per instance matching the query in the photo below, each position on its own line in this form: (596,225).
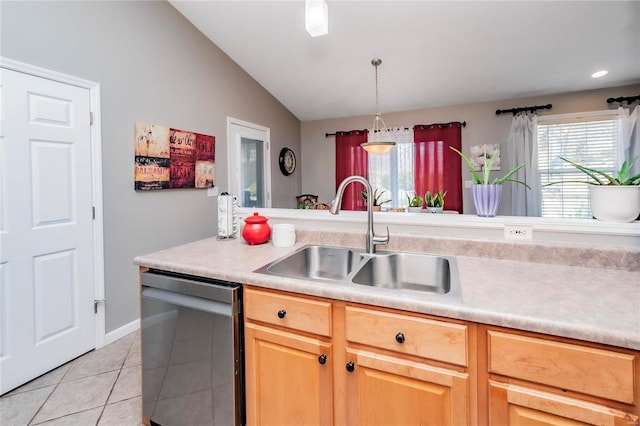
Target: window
(249,172)
(420,162)
(590,140)
(393,173)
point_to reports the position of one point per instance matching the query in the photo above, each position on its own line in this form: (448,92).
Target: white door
(249,163)
(46,240)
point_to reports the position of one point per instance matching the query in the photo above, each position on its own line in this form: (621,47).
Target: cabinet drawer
(596,372)
(293,312)
(516,405)
(407,334)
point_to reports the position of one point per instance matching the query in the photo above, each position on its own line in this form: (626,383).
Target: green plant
(435,200)
(376,197)
(486,170)
(601,178)
(415,201)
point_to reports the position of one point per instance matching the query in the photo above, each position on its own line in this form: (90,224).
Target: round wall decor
(287,161)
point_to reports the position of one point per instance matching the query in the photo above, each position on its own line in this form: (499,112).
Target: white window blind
(590,141)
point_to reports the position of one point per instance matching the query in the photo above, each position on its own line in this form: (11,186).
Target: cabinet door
(511,405)
(383,390)
(288,380)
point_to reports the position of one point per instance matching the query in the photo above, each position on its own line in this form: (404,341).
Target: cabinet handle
(400,337)
(350,366)
(282,313)
(322,359)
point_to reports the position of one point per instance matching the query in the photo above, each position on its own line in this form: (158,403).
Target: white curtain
(522,147)
(629,137)
(393,170)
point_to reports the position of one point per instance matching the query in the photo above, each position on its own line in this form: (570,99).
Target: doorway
(249,163)
(51,273)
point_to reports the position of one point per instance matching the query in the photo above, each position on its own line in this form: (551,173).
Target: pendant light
(375,145)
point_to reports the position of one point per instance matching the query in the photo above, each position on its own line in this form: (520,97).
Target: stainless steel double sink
(392,270)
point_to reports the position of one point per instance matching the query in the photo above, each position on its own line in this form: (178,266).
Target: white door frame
(233,155)
(96,178)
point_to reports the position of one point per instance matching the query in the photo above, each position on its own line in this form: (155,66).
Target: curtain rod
(522,109)
(441,125)
(627,99)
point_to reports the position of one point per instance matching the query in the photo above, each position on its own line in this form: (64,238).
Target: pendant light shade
(375,145)
(316,17)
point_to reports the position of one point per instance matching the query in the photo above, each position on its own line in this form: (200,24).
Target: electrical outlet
(212,192)
(518,232)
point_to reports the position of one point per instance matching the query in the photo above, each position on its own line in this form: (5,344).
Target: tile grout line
(103,406)
(51,393)
(106,402)
(55,386)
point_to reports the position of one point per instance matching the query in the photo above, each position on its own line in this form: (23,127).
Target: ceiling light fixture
(316,17)
(599,74)
(375,145)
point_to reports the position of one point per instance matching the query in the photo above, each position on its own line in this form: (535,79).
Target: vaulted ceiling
(434,53)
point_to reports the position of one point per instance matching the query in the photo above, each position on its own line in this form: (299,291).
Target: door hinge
(90,118)
(93,212)
(95,304)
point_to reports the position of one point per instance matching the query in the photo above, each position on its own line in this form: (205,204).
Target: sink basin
(317,262)
(406,271)
(401,271)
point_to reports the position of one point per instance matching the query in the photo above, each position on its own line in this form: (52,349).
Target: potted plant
(377,202)
(486,195)
(415,203)
(435,202)
(612,198)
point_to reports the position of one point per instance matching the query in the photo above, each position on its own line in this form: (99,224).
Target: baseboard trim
(120,332)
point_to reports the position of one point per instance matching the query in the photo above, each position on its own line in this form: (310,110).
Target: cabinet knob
(322,359)
(282,313)
(400,337)
(350,366)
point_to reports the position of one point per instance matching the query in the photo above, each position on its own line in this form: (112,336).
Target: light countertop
(592,303)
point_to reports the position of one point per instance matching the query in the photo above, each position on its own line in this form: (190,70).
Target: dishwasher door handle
(191,302)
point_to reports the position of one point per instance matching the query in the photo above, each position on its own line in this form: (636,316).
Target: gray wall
(153,66)
(483,126)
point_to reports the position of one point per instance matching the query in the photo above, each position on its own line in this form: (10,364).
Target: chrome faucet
(372,239)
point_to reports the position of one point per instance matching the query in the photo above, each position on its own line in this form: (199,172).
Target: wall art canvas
(172,158)
(479,154)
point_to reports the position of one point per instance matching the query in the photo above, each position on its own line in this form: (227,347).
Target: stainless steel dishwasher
(192,350)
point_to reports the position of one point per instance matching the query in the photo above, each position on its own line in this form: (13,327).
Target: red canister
(256,230)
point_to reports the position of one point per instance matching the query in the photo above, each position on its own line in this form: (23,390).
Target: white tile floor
(101,388)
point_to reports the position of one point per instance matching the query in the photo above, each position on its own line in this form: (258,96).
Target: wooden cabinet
(539,381)
(381,367)
(393,391)
(288,371)
(288,378)
(313,361)
(390,379)
(390,390)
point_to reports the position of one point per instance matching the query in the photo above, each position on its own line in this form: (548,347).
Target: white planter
(615,203)
(415,209)
(434,209)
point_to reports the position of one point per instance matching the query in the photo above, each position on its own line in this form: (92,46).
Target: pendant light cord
(375,62)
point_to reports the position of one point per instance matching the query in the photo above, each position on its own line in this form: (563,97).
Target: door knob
(350,366)
(322,359)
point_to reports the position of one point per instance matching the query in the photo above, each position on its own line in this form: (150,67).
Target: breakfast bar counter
(586,294)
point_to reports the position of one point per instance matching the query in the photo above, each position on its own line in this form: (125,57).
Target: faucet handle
(377,240)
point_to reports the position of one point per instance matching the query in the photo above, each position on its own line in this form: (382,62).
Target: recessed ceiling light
(599,74)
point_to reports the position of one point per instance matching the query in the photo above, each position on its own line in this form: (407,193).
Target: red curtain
(351,159)
(438,168)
